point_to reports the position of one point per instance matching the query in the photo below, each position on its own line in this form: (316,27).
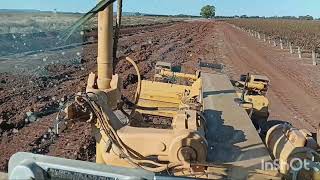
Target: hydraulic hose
(130,155)
(138,91)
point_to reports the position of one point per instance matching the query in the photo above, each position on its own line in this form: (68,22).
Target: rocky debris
(31,117)
(15,131)
(43,98)
(131,79)
(42,144)
(189,40)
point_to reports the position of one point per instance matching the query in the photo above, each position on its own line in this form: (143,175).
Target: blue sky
(224,7)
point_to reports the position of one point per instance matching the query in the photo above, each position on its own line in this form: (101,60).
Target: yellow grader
(209,137)
(252,91)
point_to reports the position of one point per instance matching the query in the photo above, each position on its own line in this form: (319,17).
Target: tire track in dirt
(295,76)
(303,78)
(308,79)
(245,55)
(234,56)
(295,111)
(299,114)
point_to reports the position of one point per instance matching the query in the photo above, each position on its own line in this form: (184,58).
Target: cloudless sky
(173,7)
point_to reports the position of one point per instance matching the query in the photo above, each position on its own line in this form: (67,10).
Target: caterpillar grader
(252,91)
(208,135)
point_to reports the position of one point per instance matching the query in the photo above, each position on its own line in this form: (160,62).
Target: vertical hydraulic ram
(105,40)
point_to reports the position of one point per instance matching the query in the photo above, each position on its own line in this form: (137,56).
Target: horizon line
(38,10)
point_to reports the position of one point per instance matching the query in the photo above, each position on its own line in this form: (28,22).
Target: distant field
(30,41)
(34,22)
(27,32)
(44,22)
(305,34)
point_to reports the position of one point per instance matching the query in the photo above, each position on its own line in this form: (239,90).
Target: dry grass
(34,22)
(42,22)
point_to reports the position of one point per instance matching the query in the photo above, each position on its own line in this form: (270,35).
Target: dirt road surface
(294,92)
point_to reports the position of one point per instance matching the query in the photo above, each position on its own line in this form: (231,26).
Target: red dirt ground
(295,83)
(294,96)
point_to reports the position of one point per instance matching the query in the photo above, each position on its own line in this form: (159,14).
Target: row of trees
(263,17)
(307,17)
(209,11)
